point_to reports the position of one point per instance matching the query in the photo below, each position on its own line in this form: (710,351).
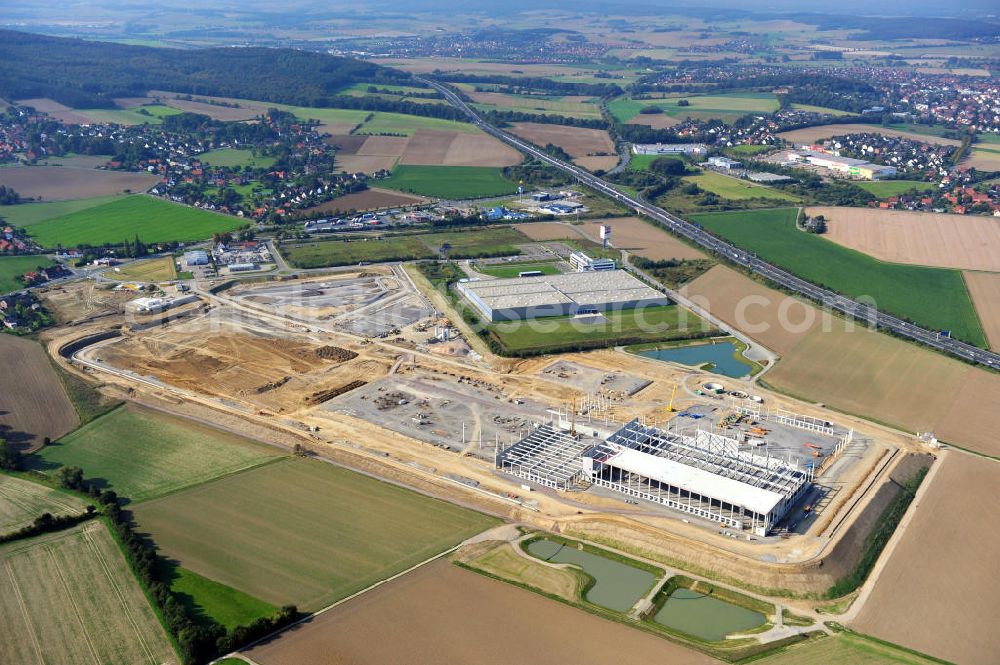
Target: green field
(210,601)
(70,597)
(12,267)
(149,270)
(21,501)
(232,158)
(643,162)
(728,106)
(131,116)
(153,220)
(471,243)
(631,326)
(301,531)
(141,453)
(735,189)
(399,123)
(450,182)
(26,214)
(506,270)
(932,297)
(847,649)
(819,109)
(885,188)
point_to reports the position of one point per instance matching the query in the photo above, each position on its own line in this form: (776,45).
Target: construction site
(603,444)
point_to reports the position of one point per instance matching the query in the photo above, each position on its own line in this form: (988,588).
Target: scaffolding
(548,456)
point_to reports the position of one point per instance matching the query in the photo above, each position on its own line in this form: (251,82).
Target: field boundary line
(118,592)
(72,601)
(24,613)
(346,599)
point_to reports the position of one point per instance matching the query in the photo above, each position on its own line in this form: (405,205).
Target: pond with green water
(617,585)
(705,617)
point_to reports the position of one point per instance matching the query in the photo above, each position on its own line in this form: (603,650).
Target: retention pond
(723,355)
(617,585)
(705,617)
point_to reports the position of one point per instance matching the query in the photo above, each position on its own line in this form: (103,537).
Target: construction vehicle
(759,431)
(673,393)
(807,508)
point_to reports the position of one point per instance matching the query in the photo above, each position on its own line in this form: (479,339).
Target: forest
(85,74)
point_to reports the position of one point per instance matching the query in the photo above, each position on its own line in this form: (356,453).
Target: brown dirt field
(445,615)
(60,183)
(812,134)
(347,144)
(56,110)
(984,161)
(595,163)
(942,574)
(214,111)
(428,65)
(869,374)
(370,199)
(985,291)
(577,141)
(644,239)
(132,102)
(918,238)
(38,407)
(476,149)
(427,147)
(655,120)
(389,146)
(363,163)
(549,231)
(335,127)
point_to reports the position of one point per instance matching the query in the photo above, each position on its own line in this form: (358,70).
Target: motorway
(680,227)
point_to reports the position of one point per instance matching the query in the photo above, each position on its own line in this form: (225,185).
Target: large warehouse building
(704,474)
(522,298)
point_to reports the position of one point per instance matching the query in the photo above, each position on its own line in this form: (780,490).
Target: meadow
(150,270)
(631,326)
(12,267)
(886,188)
(152,114)
(142,454)
(232,158)
(27,214)
(727,106)
(209,601)
(735,189)
(506,270)
(846,649)
(302,531)
(936,298)
(151,219)
(70,597)
(471,243)
(21,501)
(450,182)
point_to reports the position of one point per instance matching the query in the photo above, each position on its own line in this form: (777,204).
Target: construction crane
(673,393)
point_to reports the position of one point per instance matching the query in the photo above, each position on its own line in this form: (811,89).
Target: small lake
(618,586)
(722,355)
(705,617)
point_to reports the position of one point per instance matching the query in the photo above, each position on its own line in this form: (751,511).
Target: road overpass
(685,229)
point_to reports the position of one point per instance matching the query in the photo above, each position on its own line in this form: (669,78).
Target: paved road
(680,227)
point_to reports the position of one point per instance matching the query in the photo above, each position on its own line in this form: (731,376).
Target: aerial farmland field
(846,649)
(62,183)
(736,189)
(70,597)
(149,270)
(21,501)
(302,531)
(153,220)
(27,214)
(726,106)
(933,297)
(141,453)
(449,182)
(232,157)
(12,267)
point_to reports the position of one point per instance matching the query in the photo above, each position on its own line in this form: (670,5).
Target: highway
(828,299)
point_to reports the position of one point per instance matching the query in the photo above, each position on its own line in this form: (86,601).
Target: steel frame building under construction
(705,475)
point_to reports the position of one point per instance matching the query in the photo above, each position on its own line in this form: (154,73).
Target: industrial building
(196,257)
(703,474)
(521,298)
(669,149)
(854,167)
(153,305)
(583,263)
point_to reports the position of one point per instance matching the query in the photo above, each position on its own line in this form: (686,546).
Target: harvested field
(423,608)
(55,110)
(597,163)
(642,238)
(654,120)
(304,532)
(569,105)
(917,238)
(479,150)
(427,147)
(577,141)
(985,291)
(60,183)
(39,406)
(70,597)
(810,135)
(21,501)
(550,231)
(142,453)
(364,164)
(941,575)
(347,144)
(148,270)
(216,111)
(372,198)
(388,146)
(860,372)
